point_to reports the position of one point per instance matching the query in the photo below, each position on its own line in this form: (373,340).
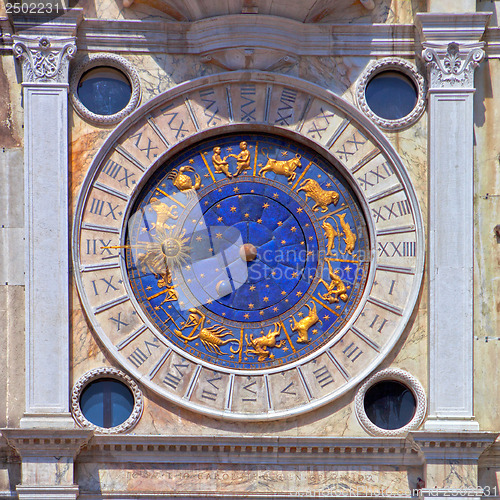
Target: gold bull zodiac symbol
(281,167)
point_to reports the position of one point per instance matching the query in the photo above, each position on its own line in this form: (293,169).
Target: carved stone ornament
(452,65)
(107,60)
(391,374)
(44,59)
(401,66)
(98,373)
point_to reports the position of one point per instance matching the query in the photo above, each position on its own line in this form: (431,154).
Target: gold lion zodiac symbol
(163,212)
(335,288)
(182,181)
(281,167)
(260,345)
(212,337)
(322,197)
(302,327)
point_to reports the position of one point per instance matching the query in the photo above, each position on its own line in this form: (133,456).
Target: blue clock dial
(247,251)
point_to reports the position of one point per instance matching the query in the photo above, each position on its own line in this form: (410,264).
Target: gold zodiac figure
(349,236)
(155,263)
(331,233)
(335,288)
(282,167)
(302,326)
(322,197)
(212,337)
(260,345)
(182,181)
(242,159)
(221,166)
(163,212)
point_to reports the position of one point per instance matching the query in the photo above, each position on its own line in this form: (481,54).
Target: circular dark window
(107,402)
(104,91)
(391,95)
(389,405)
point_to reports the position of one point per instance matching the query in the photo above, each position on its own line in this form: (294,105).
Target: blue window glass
(107,402)
(104,91)
(391,95)
(389,405)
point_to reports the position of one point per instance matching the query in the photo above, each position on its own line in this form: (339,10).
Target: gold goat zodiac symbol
(302,327)
(281,167)
(335,289)
(212,337)
(260,345)
(323,198)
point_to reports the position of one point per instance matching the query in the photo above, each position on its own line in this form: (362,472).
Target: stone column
(452,51)
(45,64)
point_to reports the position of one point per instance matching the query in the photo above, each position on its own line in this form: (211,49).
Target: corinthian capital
(44,59)
(452,65)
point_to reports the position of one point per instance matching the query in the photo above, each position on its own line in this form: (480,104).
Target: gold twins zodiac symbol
(212,337)
(281,167)
(302,327)
(260,345)
(322,197)
(221,166)
(335,288)
(331,233)
(182,181)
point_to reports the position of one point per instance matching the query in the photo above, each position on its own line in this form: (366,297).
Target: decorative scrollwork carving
(452,65)
(106,372)
(44,59)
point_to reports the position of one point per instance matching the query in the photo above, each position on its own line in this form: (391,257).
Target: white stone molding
(91,61)
(453,65)
(94,375)
(452,50)
(409,381)
(45,98)
(232,59)
(401,66)
(44,59)
(47,492)
(305,450)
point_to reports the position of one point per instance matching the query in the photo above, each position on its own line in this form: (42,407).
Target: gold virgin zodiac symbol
(349,236)
(182,181)
(260,345)
(335,288)
(221,166)
(302,327)
(242,158)
(331,233)
(155,264)
(322,197)
(212,337)
(163,212)
(281,167)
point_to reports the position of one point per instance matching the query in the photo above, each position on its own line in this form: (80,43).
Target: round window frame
(391,375)
(400,66)
(102,373)
(114,61)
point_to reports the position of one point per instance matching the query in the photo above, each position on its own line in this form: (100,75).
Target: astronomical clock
(247,249)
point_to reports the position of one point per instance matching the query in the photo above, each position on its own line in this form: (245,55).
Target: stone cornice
(452,445)
(46,443)
(250,450)
(444,27)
